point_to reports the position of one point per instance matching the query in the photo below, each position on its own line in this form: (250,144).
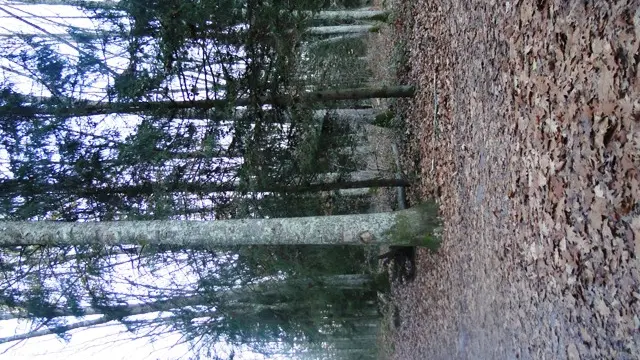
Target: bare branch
(60,38)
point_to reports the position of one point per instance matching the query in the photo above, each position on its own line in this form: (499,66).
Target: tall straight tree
(415,226)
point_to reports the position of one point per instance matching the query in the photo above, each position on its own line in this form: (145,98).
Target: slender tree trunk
(359,14)
(361,93)
(344,115)
(316,30)
(342,29)
(351,116)
(86,108)
(333,40)
(357,115)
(351,192)
(61,329)
(244,295)
(326,182)
(418,225)
(337,15)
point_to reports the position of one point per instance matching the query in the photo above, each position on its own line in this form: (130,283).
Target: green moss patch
(419,226)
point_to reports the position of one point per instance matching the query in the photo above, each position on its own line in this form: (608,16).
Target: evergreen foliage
(117,132)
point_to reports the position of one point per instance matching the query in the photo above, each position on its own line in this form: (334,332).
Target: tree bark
(357,115)
(414,226)
(326,182)
(351,116)
(316,30)
(344,115)
(87,108)
(342,29)
(333,40)
(336,15)
(360,93)
(358,14)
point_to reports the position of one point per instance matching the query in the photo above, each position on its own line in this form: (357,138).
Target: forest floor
(534,158)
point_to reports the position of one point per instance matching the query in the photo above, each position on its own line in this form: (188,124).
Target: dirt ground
(534,157)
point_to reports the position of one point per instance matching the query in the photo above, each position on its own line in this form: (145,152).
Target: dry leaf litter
(535,159)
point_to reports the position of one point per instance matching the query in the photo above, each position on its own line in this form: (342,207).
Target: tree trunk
(227,297)
(343,115)
(414,226)
(87,108)
(351,116)
(326,182)
(356,115)
(359,14)
(316,30)
(240,300)
(361,93)
(333,40)
(337,15)
(342,29)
